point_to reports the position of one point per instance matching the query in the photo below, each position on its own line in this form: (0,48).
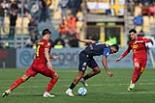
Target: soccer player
(86,59)
(41,64)
(139,49)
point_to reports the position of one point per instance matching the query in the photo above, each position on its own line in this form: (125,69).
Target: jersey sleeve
(106,51)
(145,40)
(125,52)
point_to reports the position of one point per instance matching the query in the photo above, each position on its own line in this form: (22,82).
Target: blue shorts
(86,60)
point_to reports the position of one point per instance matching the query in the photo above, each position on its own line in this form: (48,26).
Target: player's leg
(138,71)
(95,69)
(80,74)
(19,81)
(49,72)
(74,83)
(134,75)
(139,67)
(94,72)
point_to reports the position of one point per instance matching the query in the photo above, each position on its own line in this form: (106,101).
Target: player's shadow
(29,95)
(140,90)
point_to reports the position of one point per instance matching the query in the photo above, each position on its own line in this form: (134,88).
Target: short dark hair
(46,31)
(116,46)
(132,30)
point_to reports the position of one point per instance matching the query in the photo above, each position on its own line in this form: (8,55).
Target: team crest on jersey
(134,46)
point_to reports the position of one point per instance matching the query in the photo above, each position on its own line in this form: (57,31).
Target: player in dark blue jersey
(86,59)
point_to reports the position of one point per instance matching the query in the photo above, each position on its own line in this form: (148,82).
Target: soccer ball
(82,91)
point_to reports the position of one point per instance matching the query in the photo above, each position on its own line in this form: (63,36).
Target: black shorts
(86,60)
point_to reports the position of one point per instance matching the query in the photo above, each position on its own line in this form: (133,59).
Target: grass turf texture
(102,89)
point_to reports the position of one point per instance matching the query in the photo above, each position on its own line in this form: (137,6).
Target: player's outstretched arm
(147,40)
(105,64)
(123,54)
(88,41)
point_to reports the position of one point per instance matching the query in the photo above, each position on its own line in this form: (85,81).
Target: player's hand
(56,57)
(91,41)
(110,74)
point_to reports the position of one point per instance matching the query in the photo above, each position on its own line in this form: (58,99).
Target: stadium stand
(116,15)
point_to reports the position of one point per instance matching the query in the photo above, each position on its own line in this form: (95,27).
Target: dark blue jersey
(97,50)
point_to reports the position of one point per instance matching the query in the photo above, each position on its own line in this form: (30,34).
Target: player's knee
(56,76)
(97,71)
(142,70)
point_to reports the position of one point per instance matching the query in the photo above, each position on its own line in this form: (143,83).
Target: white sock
(132,85)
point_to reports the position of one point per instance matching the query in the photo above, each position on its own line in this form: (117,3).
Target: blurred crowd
(106,7)
(25,16)
(19,17)
(144,14)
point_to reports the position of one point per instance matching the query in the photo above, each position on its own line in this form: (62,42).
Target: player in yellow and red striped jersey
(41,64)
(139,49)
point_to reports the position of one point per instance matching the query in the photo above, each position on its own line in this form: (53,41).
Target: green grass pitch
(102,89)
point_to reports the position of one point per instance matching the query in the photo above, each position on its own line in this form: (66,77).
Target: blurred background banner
(7,58)
(69,58)
(126,62)
(24,57)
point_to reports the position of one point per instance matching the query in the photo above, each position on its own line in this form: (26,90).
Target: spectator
(145,9)
(35,10)
(138,20)
(1,17)
(138,9)
(44,14)
(33,33)
(63,27)
(74,5)
(13,18)
(71,23)
(152,10)
(64,7)
(146,1)
(32,26)
(130,5)
(59,43)
(0,42)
